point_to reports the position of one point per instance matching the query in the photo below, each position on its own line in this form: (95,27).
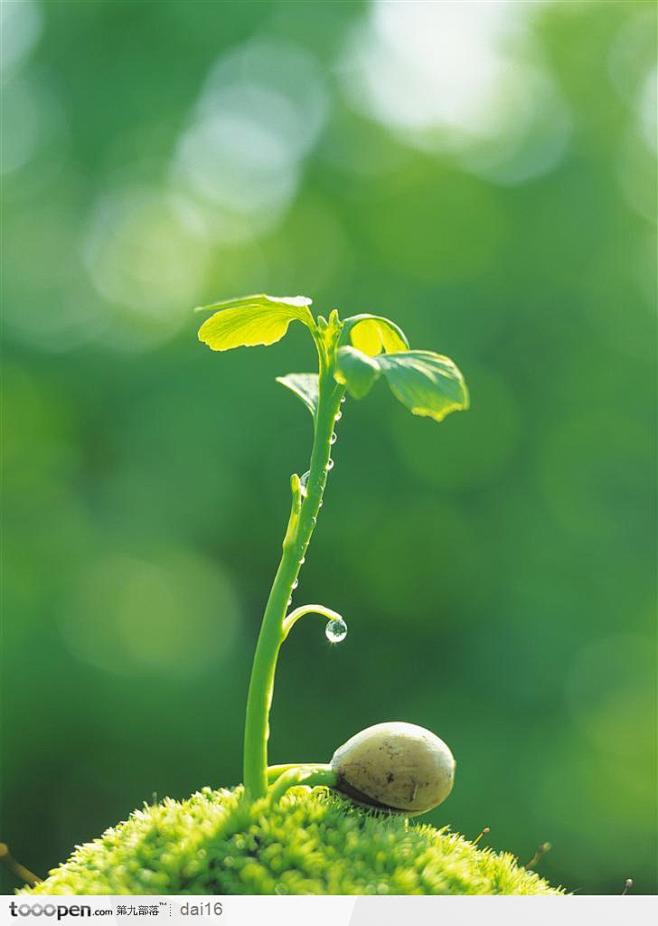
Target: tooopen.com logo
(59,911)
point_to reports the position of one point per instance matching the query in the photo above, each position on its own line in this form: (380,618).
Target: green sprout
(270,835)
(352,355)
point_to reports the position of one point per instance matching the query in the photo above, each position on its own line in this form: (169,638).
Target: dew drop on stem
(330,464)
(336,630)
(295,584)
(339,415)
(333,438)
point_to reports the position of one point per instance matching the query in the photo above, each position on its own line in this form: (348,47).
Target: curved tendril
(291,619)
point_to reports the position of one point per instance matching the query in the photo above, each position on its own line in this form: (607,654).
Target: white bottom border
(330,911)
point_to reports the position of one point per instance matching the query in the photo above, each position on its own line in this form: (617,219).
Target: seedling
(352,355)
(264,838)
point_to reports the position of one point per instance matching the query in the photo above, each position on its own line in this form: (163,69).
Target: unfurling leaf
(427,383)
(373,334)
(304,385)
(252,320)
(356,370)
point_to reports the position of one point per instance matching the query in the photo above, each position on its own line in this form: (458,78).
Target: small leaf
(427,383)
(253,320)
(371,334)
(355,370)
(304,385)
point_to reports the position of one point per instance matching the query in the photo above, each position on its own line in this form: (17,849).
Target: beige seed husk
(399,765)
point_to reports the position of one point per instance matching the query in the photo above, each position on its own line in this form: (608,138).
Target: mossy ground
(312,842)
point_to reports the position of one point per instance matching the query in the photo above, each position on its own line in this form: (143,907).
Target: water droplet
(302,561)
(330,464)
(336,630)
(295,584)
(343,399)
(320,503)
(314,520)
(289,602)
(339,415)
(303,481)
(333,438)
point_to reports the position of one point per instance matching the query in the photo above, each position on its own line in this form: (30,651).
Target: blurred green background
(484,173)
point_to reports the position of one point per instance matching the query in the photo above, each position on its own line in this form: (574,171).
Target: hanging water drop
(343,399)
(336,630)
(295,584)
(339,415)
(333,438)
(289,602)
(330,464)
(303,482)
(302,561)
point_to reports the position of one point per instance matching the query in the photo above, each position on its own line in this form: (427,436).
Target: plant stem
(272,634)
(274,772)
(309,775)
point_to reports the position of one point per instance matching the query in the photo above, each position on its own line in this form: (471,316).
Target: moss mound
(312,842)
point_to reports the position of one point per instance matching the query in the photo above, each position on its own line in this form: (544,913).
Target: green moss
(313,842)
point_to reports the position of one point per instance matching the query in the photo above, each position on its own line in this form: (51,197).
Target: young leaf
(356,370)
(253,320)
(304,385)
(427,383)
(371,334)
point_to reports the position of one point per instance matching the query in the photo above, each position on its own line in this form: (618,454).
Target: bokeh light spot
(259,114)
(457,77)
(20,27)
(145,251)
(172,613)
